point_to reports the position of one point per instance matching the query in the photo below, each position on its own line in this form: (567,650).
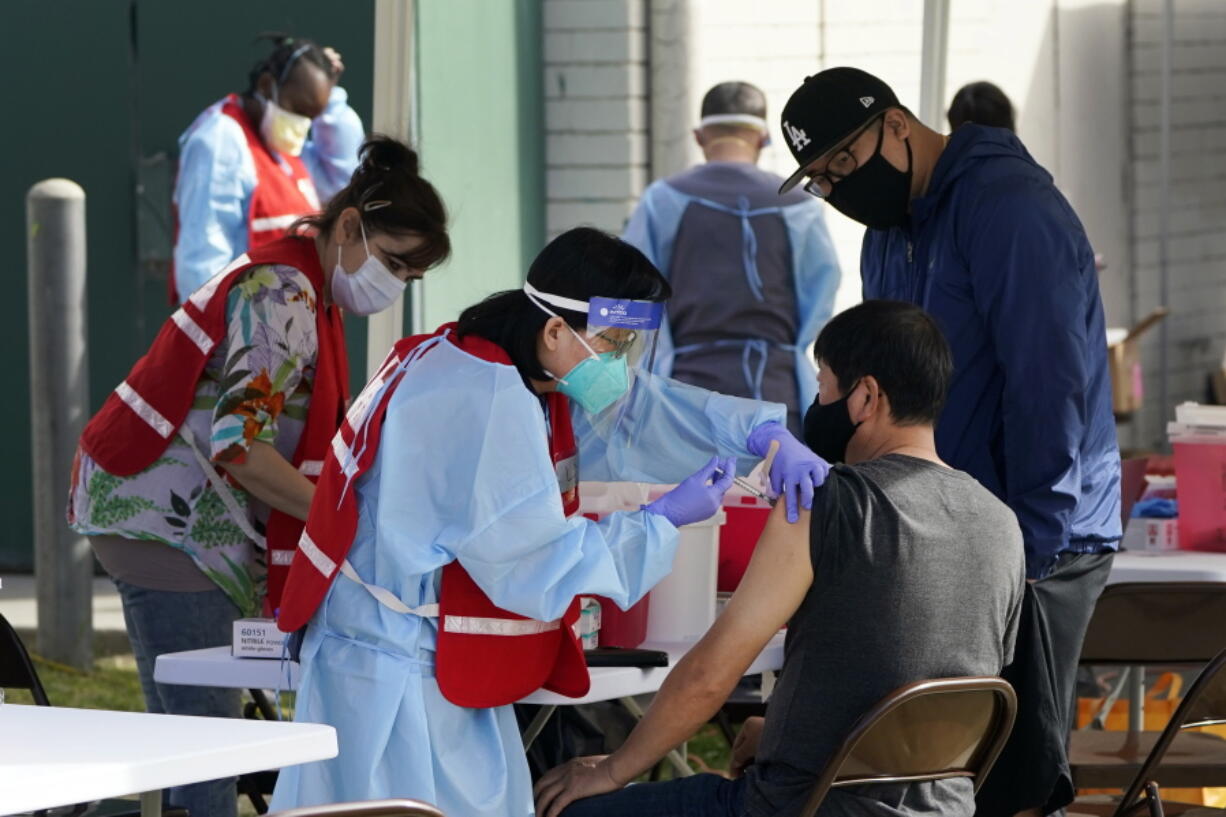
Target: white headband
(734,119)
(557,300)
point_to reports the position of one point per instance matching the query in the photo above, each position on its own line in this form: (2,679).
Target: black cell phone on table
(625,657)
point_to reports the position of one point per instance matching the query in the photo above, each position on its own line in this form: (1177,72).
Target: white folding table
(1170,566)
(1158,566)
(216,667)
(56,756)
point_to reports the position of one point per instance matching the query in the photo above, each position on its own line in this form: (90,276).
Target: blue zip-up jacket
(998,257)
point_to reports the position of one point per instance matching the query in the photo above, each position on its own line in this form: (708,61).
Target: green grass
(708,751)
(111,684)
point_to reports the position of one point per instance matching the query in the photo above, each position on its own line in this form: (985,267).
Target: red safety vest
(139,419)
(284,190)
(486,656)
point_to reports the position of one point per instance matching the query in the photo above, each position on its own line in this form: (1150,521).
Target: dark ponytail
(581,263)
(287,51)
(391,197)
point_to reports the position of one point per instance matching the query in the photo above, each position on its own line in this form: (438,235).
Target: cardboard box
(1152,535)
(257,638)
(587,628)
(1124,359)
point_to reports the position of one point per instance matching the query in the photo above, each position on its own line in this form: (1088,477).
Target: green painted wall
(481,121)
(105,88)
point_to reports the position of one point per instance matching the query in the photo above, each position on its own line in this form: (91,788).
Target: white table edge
(296,743)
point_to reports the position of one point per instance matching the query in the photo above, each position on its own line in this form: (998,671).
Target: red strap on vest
(331,393)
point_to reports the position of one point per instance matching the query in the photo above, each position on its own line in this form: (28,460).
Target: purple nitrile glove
(795,472)
(694,500)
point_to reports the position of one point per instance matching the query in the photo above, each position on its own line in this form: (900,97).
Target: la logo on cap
(866,101)
(799,137)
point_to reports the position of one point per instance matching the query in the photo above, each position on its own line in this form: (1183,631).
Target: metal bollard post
(59,407)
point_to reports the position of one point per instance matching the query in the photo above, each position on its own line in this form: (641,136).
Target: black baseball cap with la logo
(828,108)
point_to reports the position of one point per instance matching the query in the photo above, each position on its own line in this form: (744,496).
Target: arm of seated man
(775,583)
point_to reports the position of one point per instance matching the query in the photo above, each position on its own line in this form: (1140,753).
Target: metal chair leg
(249,788)
(1153,800)
(265,706)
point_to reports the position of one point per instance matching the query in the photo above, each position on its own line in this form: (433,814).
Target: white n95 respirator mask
(369,289)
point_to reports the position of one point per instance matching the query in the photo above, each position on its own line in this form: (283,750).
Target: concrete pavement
(19,606)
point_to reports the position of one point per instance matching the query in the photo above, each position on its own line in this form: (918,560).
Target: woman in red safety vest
(442,560)
(194,480)
(252,164)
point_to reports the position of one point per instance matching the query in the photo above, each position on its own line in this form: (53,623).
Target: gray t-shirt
(918,574)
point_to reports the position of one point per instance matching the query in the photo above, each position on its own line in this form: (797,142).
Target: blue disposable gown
(656,222)
(463,472)
(217,179)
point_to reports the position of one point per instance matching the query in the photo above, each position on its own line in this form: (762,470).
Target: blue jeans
(703,795)
(162,621)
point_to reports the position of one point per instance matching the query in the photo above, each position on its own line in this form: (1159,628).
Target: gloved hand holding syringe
(753,490)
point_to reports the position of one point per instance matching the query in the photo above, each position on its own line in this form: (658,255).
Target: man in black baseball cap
(972,229)
(845,120)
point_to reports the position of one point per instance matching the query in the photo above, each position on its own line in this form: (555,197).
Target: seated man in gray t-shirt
(905,570)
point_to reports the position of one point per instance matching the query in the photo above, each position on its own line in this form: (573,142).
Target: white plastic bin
(683,604)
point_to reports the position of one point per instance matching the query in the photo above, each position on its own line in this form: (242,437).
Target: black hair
(981,103)
(287,51)
(391,197)
(901,346)
(581,263)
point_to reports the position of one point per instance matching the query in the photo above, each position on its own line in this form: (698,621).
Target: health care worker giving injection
(448,509)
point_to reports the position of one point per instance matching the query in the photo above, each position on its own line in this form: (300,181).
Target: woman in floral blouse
(181,552)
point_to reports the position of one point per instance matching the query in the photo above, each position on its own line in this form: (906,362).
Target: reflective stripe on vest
(311,468)
(270,223)
(144,411)
(477,625)
(466,625)
(317,557)
(193,330)
(196,334)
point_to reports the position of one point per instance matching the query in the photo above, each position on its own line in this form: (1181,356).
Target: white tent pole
(1164,197)
(932,63)
(395,115)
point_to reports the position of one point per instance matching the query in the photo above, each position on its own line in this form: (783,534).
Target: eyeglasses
(620,346)
(841,165)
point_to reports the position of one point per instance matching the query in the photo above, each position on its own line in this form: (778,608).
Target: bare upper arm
(777,579)
(776,582)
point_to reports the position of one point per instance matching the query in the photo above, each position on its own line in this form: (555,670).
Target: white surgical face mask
(281,130)
(369,289)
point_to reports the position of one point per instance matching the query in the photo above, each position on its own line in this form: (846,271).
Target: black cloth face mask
(876,194)
(828,429)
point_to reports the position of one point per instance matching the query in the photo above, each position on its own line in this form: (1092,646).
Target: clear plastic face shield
(620,339)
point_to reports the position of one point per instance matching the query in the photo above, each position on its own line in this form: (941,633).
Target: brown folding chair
(929,730)
(367,808)
(1204,705)
(1151,624)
